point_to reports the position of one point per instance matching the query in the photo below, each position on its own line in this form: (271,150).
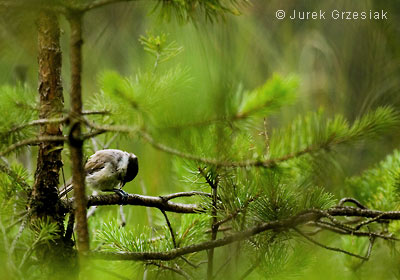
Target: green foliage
(192,229)
(275,93)
(316,132)
(283,198)
(18,107)
(44,231)
(115,238)
(378,187)
(158,47)
(280,260)
(186,10)
(221,120)
(9,187)
(143,97)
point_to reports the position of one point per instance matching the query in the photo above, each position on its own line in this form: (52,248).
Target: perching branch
(139,200)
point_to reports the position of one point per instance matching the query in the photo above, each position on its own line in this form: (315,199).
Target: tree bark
(44,202)
(76,142)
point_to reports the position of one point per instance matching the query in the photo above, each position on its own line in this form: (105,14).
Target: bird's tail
(65,189)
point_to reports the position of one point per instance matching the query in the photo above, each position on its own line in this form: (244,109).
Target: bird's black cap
(132,170)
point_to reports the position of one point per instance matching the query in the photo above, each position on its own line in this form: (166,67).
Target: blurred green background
(343,66)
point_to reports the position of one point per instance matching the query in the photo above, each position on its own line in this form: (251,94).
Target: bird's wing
(98,161)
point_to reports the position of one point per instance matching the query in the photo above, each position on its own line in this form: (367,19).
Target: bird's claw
(124,195)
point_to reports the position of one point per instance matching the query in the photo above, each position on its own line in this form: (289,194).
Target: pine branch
(279,225)
(269,163)
(282,225)
(7,170)
(232,164)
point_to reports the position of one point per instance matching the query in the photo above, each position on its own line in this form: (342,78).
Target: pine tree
(252,191)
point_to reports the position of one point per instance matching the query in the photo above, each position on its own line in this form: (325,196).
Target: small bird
(109,170)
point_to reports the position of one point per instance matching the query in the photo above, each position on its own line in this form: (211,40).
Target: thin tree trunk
(76,143)
(44,194)
(44,202)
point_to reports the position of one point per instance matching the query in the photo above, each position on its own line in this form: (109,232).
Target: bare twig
(70,227)
(175,269)
(110,128)
(99,4)
(32,141)
(251,269)
(110,272)
(92,134)
(335,229)
(214,225)
(330,248)
(171,231)
(95,113)
(220,229)
(351,200)
(122,216)
(357,227)
(108,144)
(237,211)
(228,259)
(148,211)
(94,144)
(18,236)
(184,194)
(92,210)
(37,122)
(266,138)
